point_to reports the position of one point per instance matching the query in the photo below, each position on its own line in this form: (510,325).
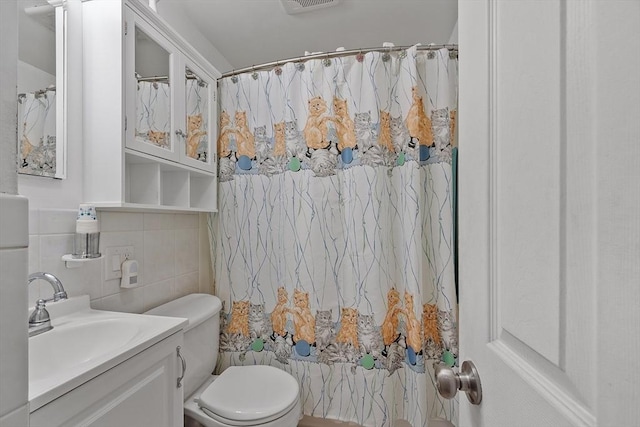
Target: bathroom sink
(85,343)
(70,345)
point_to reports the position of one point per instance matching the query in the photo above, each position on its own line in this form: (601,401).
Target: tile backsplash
(172,251)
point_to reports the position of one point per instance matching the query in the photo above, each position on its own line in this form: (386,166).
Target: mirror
(41,142)
(197,107)
(153,100)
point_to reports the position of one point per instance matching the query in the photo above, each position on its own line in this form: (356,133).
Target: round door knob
(468,380)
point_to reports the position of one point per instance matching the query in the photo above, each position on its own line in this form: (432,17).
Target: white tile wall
(13,297)
(172,251)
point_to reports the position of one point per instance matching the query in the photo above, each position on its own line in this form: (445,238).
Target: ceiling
(252,32)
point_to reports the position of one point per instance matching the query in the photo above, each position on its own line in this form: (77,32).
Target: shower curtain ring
(326,61)
(277,69)
(387,55)
(360,56)
(254,74)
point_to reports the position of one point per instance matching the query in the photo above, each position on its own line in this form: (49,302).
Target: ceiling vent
(293,7)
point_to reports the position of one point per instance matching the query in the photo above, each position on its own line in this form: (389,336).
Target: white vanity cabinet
(141,391)
(150,112)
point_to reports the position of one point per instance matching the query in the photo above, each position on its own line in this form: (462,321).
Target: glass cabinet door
(199,119)
(150,116)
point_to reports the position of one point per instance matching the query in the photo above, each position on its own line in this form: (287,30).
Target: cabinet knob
(180,133)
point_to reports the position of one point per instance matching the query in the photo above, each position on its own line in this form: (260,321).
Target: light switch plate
(114,258)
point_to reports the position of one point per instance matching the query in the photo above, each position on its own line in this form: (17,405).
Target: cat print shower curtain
(333,245)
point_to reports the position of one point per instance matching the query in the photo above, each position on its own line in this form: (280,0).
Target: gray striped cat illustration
(395,356)
(258,324)
(282,348)
(325,329)
(339,352)
(364,132)
(263,148)
(400,135)
(227,167)
(322,162)
(441,133)
(293,139)
(448,330)
(369,336)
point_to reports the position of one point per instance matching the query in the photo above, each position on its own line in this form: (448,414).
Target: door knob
(468,380)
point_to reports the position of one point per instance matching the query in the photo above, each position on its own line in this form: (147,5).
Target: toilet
(254,395)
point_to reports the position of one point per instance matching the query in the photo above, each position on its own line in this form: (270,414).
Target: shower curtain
(37,133)
(333,244)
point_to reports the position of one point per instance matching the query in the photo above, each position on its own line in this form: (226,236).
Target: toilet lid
(249,394)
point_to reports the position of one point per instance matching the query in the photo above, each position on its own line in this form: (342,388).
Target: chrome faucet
(40,321)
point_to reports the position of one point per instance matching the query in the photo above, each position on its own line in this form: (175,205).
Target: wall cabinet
(142,391)
(150,112)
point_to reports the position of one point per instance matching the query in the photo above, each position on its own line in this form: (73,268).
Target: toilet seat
(249,395)
(248,423)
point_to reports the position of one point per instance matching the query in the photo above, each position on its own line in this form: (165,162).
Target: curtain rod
(453,53)
(163,78)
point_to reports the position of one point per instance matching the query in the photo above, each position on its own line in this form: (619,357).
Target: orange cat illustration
(390,322)
(430,323)
(226,129)
(239,323)
(194,134)
(244,138)
(279,313)
(303,321)
(344,125)
(25,147)
(452,126)
(315,130)
(158,138)
(418,123)
(348,332)
(280,144)
(384,138)
(414,337)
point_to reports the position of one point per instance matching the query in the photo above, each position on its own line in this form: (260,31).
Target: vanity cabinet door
(153,87)
(141,391)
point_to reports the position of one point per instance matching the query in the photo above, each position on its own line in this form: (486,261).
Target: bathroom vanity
(100,368)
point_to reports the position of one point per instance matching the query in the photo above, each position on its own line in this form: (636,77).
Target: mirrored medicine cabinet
(150,112)
(41,141)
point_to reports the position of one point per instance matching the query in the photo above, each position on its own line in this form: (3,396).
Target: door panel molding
(554,391)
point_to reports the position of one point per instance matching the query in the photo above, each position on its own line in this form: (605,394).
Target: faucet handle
(39,321)
(40,314)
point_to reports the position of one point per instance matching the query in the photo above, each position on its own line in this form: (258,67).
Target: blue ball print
(303,348)
(411,356)
(424,153)
(347,155)
(244,163)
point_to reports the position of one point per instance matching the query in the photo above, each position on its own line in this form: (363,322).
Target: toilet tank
(201,335)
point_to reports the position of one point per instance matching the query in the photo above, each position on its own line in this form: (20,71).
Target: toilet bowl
(256,395)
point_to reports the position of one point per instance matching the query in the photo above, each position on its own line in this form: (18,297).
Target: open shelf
(157,184)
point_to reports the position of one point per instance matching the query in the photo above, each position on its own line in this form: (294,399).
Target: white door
(549,211)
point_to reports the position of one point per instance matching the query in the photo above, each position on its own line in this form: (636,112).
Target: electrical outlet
(114,258)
